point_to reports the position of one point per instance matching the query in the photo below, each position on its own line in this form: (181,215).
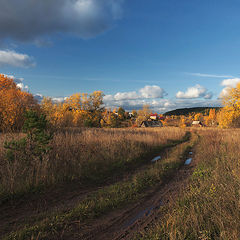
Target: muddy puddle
(156,159)
(189,159)
(146,212)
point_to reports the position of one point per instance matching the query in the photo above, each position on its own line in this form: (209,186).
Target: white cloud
(152,92)
(22,86)
(148,92)
(224,92)
(108,98)
(28,20)
(59,99)
(194,92)
(232,82)
(38,97)
(208,95)
(126,96)
(228,84)
(12,58)
(209,75)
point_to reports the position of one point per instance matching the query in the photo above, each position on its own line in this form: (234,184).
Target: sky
(165,53)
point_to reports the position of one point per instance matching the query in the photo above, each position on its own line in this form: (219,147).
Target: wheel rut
(29,209)
(138,217)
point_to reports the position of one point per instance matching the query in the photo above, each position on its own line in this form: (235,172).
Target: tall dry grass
(83,154)
(210,207)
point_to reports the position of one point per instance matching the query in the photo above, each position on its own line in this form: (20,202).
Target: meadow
(208,208)
(203,204)
(91,156)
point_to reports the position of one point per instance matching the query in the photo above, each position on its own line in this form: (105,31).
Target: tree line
(87,110)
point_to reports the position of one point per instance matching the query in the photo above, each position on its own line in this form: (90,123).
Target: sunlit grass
(109,198)
(209,208)
(86,155)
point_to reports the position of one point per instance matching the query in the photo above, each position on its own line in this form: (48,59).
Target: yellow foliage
(198,117)
(182,123)
(109,119)
(143,114)
(211,119)
(230,114)
(80,109)
(13,104)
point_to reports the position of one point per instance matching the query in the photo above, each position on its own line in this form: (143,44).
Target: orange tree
(230,114)
(13,104)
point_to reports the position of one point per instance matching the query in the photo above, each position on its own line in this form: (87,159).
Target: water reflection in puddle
(146,212)
(156,159)
(188,161)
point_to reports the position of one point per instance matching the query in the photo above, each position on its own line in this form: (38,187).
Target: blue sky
(166,53)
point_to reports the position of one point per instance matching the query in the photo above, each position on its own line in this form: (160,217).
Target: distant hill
(186,111)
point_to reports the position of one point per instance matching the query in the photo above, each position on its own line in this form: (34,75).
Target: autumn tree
(211,119)
(229,116)
(57,114)
(134,114)
(121,113)
(109,119)
(198,117)
(143,114)
(80,109)
(49,109)
(182,122)
(13,103)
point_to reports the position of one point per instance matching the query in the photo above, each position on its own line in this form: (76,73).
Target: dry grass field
(209,208)
(199,201)
(88,155)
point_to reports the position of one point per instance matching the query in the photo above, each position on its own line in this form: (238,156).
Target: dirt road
(34,207)
(135,218)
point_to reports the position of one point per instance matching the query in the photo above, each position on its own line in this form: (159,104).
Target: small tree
(35,144)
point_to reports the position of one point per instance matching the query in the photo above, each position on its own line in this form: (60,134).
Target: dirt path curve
(26,210)
(124,224)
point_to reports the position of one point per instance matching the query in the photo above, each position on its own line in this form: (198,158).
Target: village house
(154,116)
(197,124)
(151,124)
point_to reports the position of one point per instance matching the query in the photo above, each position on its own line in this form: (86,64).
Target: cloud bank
(27,20)
(12,58)
(160,105)
(148,92)
(194,92)
(154,97)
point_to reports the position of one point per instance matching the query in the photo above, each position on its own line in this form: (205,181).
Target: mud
(63,197)
(156,159)
(135,218)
